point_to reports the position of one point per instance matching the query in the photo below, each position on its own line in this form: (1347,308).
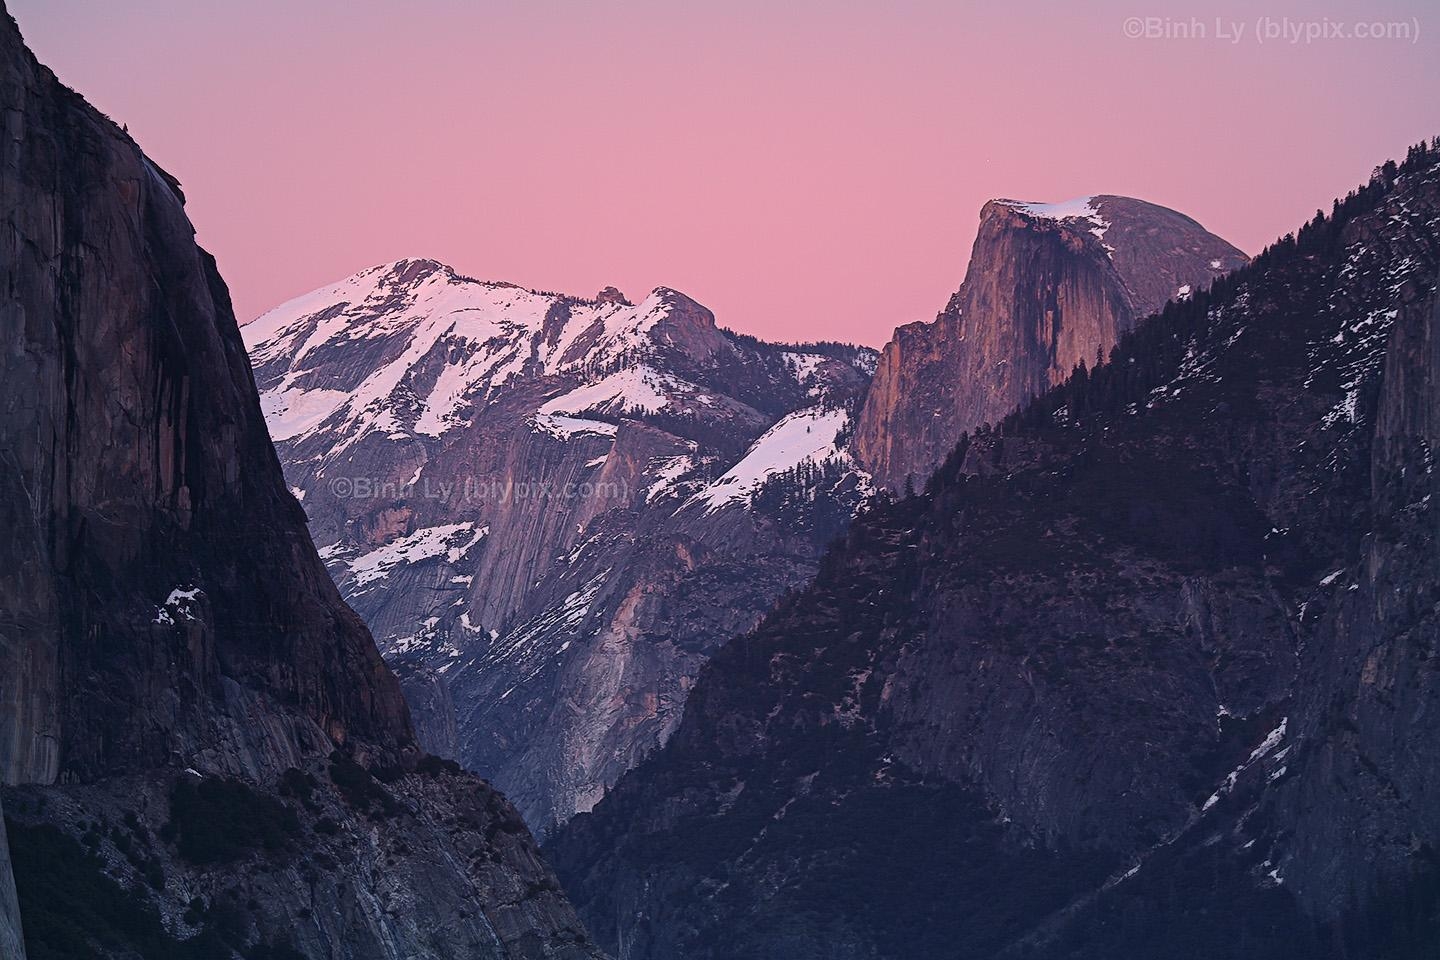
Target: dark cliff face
(1049,286)
(1149,671)
(218,761)
(571,502)
(137,464)
(1365,816)
(12,937)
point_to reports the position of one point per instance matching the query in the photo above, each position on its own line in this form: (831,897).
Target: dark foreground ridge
(1149,670)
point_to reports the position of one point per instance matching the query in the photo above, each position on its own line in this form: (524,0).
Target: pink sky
(806,169)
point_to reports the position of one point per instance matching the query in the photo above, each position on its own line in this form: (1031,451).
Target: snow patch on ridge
(451,541)
(290,413)
(1271,741)
(179,604)
(641,389)
(562,427)
(667,471)
(806,436)
(1064,210)
(1080,208)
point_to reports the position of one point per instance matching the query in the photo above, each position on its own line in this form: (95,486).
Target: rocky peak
(1049,286)
(571,502)
(414,346)
(611,295)
(687,327)
(408,271)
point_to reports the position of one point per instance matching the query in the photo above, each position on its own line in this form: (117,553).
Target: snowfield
(451,541)
(481,333)
(807,436)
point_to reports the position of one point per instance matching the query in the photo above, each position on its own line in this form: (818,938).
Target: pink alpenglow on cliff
(1049,285)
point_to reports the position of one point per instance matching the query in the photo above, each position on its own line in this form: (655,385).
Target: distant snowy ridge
(478,333)
(549,509)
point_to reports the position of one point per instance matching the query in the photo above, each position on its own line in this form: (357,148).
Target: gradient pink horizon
(810,170)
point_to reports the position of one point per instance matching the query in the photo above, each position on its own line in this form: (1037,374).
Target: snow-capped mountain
(550,509)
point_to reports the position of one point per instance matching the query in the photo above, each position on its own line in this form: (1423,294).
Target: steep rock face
(549,509)
(164,609)
(1364,810)
(131,482)
(12,938)
(1151,667)
(1049,286)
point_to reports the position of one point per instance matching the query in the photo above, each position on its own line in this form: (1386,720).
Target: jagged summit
(562,482)
(407,268)
(412,345)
